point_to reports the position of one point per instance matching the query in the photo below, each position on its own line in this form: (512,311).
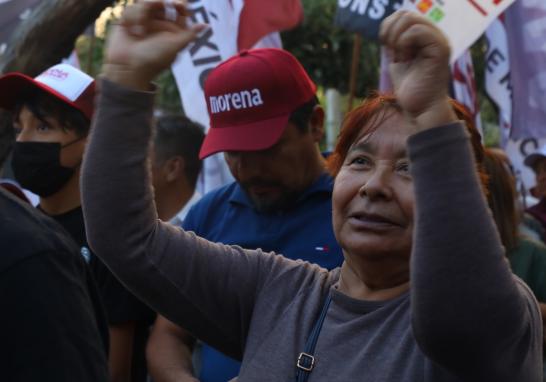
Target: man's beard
(269,204)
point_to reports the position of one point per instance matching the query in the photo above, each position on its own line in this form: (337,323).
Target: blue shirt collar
(324,184)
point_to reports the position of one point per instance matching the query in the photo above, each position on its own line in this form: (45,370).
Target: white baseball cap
(62,81)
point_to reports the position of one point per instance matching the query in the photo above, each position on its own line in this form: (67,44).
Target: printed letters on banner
(364,16)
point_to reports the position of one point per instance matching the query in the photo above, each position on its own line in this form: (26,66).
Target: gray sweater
(466,317)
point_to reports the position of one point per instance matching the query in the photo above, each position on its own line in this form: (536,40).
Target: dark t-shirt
(51,322)
(121,305)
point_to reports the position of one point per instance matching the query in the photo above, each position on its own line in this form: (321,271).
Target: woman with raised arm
(424,294)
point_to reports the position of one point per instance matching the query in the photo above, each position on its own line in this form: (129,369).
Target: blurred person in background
(527,257)
(176,166)
(537,162)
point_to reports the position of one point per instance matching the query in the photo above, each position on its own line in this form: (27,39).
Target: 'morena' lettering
(240,100)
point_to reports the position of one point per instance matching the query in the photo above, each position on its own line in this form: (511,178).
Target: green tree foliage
(325,50)
(90,48)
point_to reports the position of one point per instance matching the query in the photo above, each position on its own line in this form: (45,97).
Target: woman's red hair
(369,115)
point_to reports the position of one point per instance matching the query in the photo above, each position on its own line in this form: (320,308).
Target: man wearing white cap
(53,326)
(52,115)
(537,162)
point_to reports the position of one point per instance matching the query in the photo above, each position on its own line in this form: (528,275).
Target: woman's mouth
(372,222)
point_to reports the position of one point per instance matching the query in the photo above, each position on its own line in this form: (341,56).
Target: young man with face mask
(53,328)
(52,115)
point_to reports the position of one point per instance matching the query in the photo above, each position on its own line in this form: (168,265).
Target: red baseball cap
(62,81)
(250,98)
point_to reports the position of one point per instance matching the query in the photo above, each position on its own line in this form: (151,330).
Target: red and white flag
(464,86)
(233,25)
(260,18)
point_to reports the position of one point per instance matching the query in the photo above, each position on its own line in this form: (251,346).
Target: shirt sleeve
(49,329)
(469,313)
(210,289)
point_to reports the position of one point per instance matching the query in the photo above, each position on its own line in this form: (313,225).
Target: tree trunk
(49,34)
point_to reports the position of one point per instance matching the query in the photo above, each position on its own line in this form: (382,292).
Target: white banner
(525,24)
(497,75)
(463,21)
(193,64)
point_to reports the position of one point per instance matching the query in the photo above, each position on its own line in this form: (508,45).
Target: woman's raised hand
(146,42)
(419,68)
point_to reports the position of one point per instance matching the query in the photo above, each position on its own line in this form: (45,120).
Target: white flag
(463,21)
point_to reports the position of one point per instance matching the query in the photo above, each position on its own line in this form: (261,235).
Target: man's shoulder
(25,232)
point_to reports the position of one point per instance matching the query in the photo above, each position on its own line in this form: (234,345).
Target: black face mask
(37,166)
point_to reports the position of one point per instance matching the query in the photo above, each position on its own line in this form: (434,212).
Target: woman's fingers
(142,17)
(406,34)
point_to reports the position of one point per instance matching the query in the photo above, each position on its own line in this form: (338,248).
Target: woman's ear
(316,123)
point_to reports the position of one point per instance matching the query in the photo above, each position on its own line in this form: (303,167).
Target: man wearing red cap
(266,118)
(52,114)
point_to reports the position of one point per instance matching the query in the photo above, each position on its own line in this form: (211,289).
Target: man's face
(31,129)
(540,175)
(276,177)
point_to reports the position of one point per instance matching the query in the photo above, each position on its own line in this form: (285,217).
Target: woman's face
(373,198)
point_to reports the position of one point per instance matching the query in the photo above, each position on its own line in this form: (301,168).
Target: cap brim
(14,86)
(249,137)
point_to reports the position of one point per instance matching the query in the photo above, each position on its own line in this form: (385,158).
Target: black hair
(300,117)
(43,105)
(177,135)
(7,136)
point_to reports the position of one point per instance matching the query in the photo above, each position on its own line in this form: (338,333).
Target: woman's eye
(403,167)
(360,161)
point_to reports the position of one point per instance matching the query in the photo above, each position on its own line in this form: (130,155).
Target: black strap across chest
(306,361)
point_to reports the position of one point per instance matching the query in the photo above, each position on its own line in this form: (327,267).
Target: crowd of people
(403,255)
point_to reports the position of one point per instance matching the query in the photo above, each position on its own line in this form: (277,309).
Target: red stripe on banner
(478,7)
(262,17)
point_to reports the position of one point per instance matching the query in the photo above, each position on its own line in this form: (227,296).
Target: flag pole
(357,43)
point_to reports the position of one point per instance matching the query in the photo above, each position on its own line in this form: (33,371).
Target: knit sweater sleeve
(469,313)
